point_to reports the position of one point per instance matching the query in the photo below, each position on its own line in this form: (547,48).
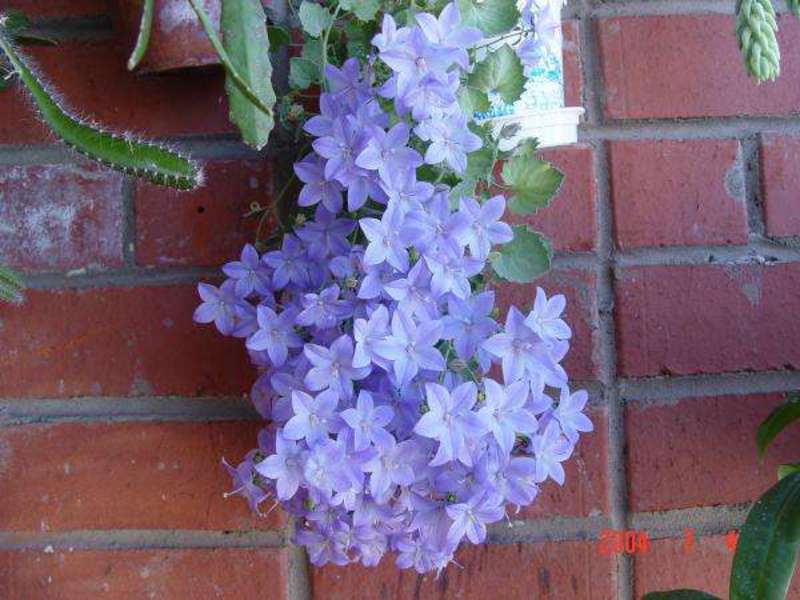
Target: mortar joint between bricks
(750,154)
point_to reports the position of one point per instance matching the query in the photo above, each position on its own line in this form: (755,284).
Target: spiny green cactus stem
(143,39)
(794,6)
(121,152)
(755,32)
(11,286)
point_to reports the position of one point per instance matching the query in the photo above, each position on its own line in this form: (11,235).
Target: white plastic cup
(539,112)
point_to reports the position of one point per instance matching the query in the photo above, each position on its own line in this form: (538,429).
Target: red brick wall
(676,232)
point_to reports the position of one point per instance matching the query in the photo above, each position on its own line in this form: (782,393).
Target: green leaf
(463,188)
(788,469)
(314,18)
(533,183)
(244,30)
(11,286)
(364,10)
(278,37)
(143,39)
(500,73)
(302,73)
(472,100)
(479,163)
(766,551)
(230,67)
(679,595)
(146,160)
(524,258)
(526,148)
(783,416)
(493,17)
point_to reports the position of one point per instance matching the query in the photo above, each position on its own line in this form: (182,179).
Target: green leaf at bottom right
(679,595)
(766,552)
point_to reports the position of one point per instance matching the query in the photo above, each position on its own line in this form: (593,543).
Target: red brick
(573,73)
(584,492)
(707,567)
(93,81)
(513,572)
(59,8)
(569,221)
(668,193)
(125,476)
(689,66)
(60,217)
(781,181)
(683,320)
(676,451)
(245,574)
(581,313)
(117,341)
(205,227)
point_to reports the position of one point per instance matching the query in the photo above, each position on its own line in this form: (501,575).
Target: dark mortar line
(148,409)
(668,390)
(139,539)
(751,159)
(605,342)
(675,128)
(669,524)
(134,277)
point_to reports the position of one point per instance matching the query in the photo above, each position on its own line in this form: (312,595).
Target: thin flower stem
(325,37)
(521,33)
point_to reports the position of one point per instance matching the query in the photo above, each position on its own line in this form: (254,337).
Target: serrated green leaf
(11,286)
(465,188)
(312,50)
(533,183)
(526,148)
(278,37)
(479,163)
(679,595)
(364,10)
(302,73)
(314,18)
(247,42)
(493,17)
(358,39)
(780,418)
(524,258)
(766,551)
(788,469)
(472,100)
(500,73)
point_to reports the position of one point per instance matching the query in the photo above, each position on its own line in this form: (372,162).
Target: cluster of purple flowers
(403,417)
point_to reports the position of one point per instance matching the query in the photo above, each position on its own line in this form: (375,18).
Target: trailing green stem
(230,68)
(143,39)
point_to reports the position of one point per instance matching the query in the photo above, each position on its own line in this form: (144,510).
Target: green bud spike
(123,153)
(755,31)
